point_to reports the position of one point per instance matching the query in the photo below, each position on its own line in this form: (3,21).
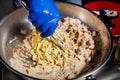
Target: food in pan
(43,58)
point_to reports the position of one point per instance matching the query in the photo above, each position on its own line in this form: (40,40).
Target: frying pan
(11,24)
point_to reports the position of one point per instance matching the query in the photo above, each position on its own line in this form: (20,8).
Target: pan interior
(11,25)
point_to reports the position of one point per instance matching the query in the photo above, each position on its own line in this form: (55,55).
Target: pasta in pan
(51,62)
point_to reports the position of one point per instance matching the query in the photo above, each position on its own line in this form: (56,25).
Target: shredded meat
(45,60)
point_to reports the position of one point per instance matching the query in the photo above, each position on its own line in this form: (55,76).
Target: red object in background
(97,5)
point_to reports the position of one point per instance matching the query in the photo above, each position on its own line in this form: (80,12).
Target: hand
(44,16)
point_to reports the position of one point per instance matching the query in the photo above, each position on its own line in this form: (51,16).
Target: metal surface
(9,28)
